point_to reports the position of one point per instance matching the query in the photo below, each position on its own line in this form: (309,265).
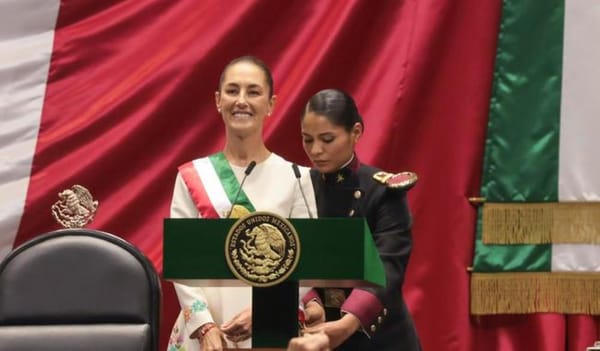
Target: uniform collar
(343,174)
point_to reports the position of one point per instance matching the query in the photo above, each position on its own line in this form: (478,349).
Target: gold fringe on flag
(519,293)
(541,223)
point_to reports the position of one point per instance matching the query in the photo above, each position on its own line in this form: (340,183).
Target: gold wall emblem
(75,207)
(262,249)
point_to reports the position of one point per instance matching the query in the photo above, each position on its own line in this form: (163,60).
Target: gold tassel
(519,293)
(541,223)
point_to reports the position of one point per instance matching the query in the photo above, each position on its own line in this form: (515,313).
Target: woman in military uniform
(360,318)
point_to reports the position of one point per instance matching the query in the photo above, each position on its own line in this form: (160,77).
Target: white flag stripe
(212,185)
(26,38)
(575,258)
(579,166)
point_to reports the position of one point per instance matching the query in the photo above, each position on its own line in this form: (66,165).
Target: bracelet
(206,327)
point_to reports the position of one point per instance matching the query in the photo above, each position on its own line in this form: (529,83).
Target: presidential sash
(213,187)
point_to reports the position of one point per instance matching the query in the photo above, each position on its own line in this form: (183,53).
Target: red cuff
(364,305)
(311,295)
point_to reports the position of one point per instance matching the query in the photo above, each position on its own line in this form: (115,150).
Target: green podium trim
(335,252)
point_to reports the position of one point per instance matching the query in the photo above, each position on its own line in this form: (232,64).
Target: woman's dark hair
(335,105)
(254,60)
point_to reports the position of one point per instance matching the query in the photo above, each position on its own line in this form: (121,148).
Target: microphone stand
(297,174)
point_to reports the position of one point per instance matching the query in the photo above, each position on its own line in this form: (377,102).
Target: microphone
(297,174)
(247,172)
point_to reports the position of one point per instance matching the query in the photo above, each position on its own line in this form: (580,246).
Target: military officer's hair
(257,62)
(335,105)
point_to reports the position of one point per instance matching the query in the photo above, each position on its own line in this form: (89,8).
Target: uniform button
(357,194)
(385,311)
(351,213)
(379,319)
(373,328)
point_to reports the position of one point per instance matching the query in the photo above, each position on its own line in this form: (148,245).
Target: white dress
(271,186)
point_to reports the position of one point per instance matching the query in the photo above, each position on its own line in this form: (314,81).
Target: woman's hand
(309,342)
(338,331)
(212,340)
(314,314)
(239,328)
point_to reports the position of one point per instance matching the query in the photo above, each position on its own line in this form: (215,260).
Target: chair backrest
(78,289)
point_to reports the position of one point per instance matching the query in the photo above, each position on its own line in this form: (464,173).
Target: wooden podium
(334,252)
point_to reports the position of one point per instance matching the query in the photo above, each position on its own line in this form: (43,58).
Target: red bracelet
(206,327)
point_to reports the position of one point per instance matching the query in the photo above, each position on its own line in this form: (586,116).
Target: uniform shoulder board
(402,180)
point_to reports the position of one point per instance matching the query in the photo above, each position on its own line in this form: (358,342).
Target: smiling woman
(245,98)
(212,318)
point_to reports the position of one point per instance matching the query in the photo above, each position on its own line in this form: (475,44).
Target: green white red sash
(213,186)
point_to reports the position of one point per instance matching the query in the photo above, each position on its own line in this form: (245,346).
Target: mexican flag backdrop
(114,95)
(538,241)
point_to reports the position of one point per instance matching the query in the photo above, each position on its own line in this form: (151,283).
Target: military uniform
(363,191)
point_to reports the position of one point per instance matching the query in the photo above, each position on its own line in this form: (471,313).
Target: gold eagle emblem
(75,207)
(262,249)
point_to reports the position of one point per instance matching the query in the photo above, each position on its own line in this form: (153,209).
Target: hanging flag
(114,95)
(27,29)
(537,247)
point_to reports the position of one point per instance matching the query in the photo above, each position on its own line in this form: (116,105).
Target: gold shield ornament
(262,249)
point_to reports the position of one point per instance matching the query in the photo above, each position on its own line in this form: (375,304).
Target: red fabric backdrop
(130,97)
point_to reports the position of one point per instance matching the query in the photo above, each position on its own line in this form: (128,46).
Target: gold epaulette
(402,180)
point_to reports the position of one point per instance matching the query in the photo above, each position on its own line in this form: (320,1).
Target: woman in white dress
(214,318)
